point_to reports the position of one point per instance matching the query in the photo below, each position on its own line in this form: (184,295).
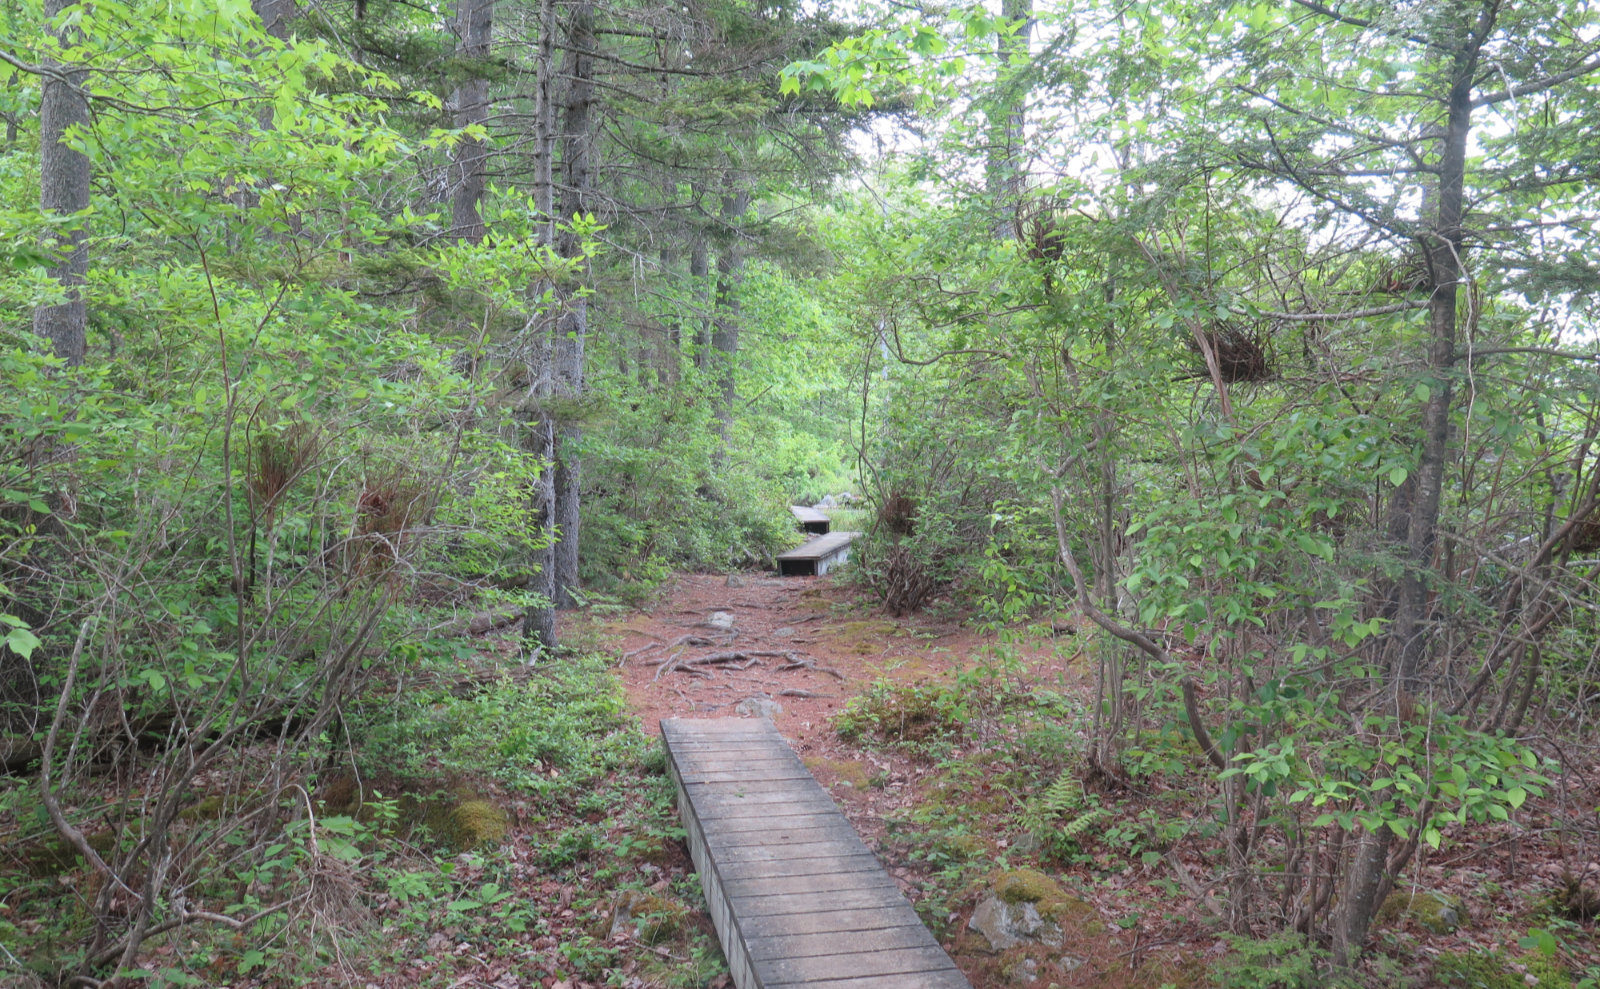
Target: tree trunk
(275,16)
(1004,174)
(470,101)
(699,275)
(1410,634)
(577,168)
(725,320)
(539,625)
(64,191)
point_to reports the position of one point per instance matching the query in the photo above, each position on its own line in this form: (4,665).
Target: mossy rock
(56,856)
(1053,903)
(653,919)
(341,795)
(903,713)
(1434,912)
(217,806)
(472,824)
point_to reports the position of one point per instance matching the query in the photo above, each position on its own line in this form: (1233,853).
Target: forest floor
(942,745)
(956,752)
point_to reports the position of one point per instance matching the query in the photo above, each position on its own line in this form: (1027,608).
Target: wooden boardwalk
(797,899)
(817,556)
(811,520)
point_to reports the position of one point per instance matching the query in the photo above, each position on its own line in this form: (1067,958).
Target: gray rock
(1006,925)
(826,502)
(758,706)
(1025,972)
(734,580)
(721,620)
(1026,843)
(787,632)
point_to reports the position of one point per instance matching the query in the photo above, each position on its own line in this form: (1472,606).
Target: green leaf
(21,641)
(1398,475)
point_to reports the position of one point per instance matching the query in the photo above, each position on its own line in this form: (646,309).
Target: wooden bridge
(797,899)
(817,556)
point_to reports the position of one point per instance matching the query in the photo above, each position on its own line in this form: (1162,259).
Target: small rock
(1006,925)
(1027,843)
(758,706)
(787,632)
(735,580)
(1026,971)
(826,502)
(721,620)
(646,916)
(1435,912)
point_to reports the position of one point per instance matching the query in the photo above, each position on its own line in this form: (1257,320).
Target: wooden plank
(852,964)
(817,556)
(952,979)
(795,851)
(810,519)
(820,869)
(816,549)
(776,946)
(796,897)
(766,905)
(833,922)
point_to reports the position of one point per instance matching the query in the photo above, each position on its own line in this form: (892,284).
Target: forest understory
(513,828)
(397,401)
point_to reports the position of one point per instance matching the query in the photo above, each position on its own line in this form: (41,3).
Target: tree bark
(275,16)
(1410,634)
(725,318)
(469,162)
(63,192)
(1008,118)
(699,275)
(539,625)
(577,168)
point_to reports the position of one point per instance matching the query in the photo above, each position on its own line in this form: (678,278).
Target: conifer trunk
(470,101)
(64,191)
(725,319)
(577,168)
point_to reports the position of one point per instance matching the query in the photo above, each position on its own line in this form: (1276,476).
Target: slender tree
(64,191)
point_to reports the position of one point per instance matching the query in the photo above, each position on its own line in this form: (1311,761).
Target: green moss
(1433,912)
(1493,970)
(964,846)
(1053,903)
(56,856)
(654,919)
(478,824)
(864,638)
(849,772)
(464,822)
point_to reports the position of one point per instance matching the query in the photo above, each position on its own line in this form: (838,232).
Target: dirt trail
(720,646)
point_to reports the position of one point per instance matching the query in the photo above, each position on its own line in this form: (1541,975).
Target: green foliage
(1283,961)
(561,727)
(914,715)
(1494,970)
